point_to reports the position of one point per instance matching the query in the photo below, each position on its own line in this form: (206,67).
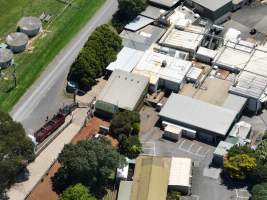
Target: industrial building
(188,39)
(166,70)
(142,39)
(138,23)
(153,12)
(123,91)
(30,25)
(17,41)
(175,174)
(210,122)
(6,57)
(218,11)
(252,87)
(126,60)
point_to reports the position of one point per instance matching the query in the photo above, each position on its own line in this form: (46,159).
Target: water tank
(6,57)
(17,42)
(30,25)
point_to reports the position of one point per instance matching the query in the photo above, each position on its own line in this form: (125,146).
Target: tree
(261,151)
(89,162)
(76,192)
(128,10)
(130,146)
(241,149)
(259,192)
(125,124)
(101,49)
(16,150)
(259,174)
(239,166)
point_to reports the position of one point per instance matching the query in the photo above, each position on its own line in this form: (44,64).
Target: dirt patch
(43,190)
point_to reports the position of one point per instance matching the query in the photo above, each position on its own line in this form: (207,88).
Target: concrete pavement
(46,96)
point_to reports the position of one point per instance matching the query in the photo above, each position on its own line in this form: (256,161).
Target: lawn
(65,23)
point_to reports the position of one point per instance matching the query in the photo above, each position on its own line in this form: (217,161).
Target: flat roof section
(151,178)
(261,26)
(126,60)
(234,102)
(185,40)
(153,12)
(180,172)
(165,3)
(142,39)
(138,23)
(199,114)
(249,85)
(212,5)
(124,89)
(150,66)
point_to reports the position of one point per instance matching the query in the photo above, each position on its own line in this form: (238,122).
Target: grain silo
(17,42)
(6,57)
(30,25)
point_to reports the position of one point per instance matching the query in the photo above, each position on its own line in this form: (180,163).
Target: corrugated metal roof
(151,178)
(126,60)
(138,23)
(124,89)
(249,85)
(165,3)
(193,112)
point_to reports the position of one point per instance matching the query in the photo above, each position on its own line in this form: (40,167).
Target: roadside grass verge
(29,65)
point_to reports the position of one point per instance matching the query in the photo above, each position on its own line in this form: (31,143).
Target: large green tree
(130,146)
(261,151)
(128,10)
(125,124)
(241,149)
(89,162)
(101,49)
(239,166)
(16,150)
(76,192)
(259,192)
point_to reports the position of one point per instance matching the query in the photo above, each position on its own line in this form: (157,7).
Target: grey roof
(138,23)
(193,112)
(212,5)
(30,23)
(153,12)
(249,85)
(143,38)
(165,3)
(124,89)
(125,190)
(234,102)
(222,148)
(126,60)
(5,55)
(261,25)
(17,39)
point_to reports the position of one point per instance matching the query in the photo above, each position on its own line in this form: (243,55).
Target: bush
(130,147)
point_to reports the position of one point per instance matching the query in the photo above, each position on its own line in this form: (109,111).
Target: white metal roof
(124,89)
(199,114)
(249,85)
(180,172)
(138,23)
(241,130)
(125,190)
(173,129)
(151,66)
(184,40)
(126,59)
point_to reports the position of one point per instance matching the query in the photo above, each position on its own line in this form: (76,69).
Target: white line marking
(181,144)
(198,150)
(190,147)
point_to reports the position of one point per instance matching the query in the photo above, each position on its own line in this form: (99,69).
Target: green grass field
(29,65)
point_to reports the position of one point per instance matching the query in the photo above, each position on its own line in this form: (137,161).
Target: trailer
(49,127)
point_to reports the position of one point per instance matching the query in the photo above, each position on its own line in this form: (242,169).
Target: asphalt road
(46,95)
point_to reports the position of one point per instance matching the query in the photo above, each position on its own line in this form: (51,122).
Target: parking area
(241,194)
